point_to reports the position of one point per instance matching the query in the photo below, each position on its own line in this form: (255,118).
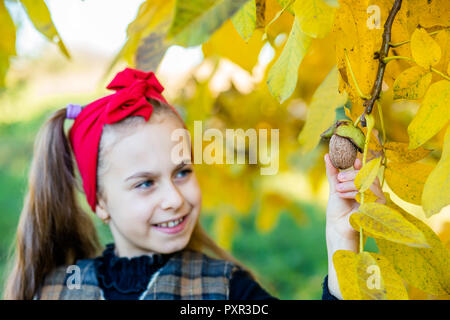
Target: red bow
(128,102)
(128,77)
(132,88)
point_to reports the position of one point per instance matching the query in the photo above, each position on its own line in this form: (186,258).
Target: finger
(346,186)
(347,175)
(358,164)
(347,195)
(331,172)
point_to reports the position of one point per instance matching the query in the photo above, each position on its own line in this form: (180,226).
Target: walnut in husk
(345,142)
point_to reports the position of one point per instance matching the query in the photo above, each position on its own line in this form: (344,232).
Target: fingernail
(341,176)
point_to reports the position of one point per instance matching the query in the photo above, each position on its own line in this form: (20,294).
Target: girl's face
(144,188)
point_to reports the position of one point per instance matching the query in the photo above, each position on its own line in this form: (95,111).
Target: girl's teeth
(170,224)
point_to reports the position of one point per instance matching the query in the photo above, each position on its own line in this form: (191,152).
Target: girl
(123,147)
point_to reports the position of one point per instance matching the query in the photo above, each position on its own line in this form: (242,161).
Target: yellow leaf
(40,17)
(244,21)
(399,152)
(369,196)
(8,38)
(345,264)
(407,179)
(315,17)
(427,13)
(412,83)
(384,222)
(4,66)
(321,111)
(360,42)
(393,283)
(443,39)
(367,276)
(367,174)
(425,51)
(425,268)
(370,281)
(432,116)
(283,19)
(284,3)
(282,77)
(219,44)
(436,192)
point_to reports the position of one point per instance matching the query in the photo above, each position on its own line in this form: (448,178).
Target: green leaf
(196,20)
(283,75)
(40,17)
(244,21)
(432,116)
(321,111)
(146,44)
(315,17)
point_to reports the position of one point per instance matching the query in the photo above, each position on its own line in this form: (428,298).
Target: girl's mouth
(173,226)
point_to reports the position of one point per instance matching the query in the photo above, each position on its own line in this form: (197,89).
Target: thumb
(332,173)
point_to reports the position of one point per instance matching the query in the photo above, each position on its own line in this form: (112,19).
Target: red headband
(132,88)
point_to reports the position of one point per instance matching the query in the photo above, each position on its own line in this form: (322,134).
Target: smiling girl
(123,150)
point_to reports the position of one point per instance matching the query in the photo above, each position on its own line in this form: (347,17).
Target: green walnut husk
(346,129)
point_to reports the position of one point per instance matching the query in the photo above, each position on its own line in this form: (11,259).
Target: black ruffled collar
(124,274)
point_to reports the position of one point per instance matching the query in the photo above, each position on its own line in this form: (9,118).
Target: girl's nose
(171,197)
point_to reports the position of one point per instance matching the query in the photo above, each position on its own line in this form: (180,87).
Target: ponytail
(53,229)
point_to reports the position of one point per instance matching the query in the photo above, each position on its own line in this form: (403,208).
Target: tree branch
(380,55)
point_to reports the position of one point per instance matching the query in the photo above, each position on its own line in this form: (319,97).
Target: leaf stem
(380,113)
(387,59)
(440,73)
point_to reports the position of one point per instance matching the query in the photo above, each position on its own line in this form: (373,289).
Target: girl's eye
(147,183)
(184,173)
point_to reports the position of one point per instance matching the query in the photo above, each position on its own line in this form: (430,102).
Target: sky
(99,25)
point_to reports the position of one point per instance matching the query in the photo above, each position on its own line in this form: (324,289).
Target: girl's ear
(100,210)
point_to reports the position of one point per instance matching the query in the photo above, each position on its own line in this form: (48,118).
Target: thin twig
(376,90)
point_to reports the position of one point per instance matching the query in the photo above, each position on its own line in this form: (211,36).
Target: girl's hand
(341,204)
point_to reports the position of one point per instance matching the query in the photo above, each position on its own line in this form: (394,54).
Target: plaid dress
(187,275)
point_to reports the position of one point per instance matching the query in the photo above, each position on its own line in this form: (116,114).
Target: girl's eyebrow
(152,174)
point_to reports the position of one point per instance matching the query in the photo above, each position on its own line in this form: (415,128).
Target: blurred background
(273,224)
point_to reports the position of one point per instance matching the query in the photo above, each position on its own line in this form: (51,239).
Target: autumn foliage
(327,56)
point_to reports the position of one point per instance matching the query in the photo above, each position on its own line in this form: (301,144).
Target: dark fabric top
(122,278)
